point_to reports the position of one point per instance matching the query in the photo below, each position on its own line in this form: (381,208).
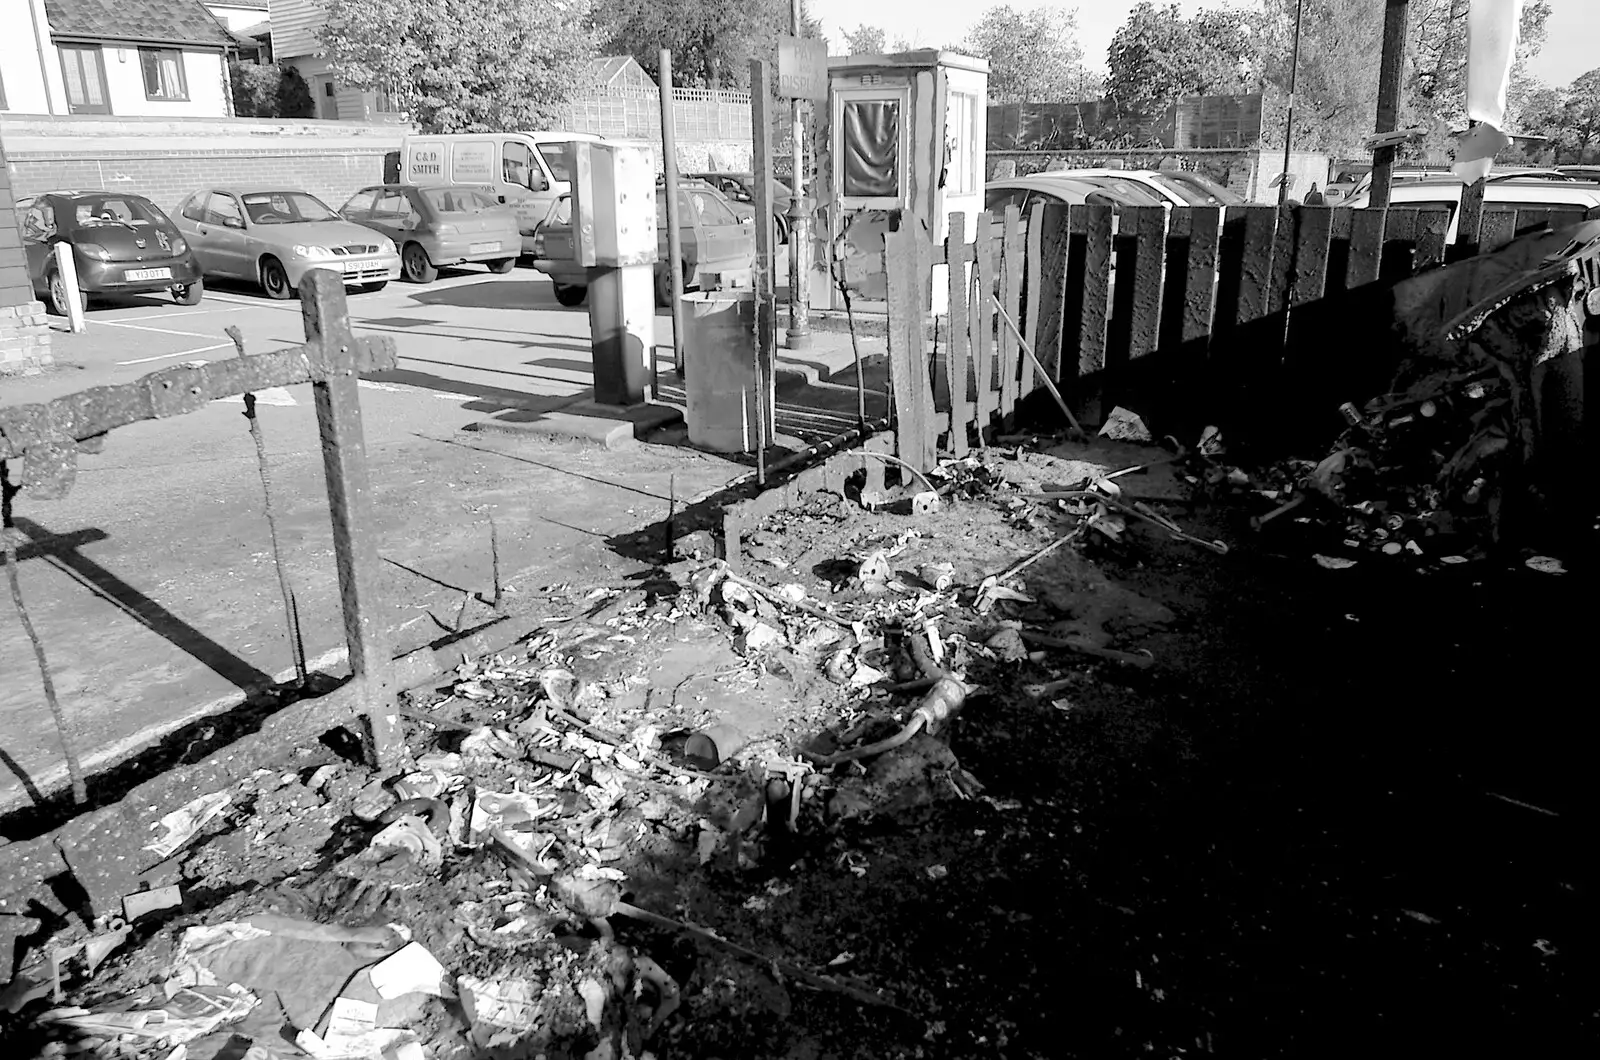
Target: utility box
(900,141)
(613,205)
(614,237)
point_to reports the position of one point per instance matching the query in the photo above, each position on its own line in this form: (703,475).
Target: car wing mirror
(232,222)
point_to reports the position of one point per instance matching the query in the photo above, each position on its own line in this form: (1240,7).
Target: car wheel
(274,280)
(571,294)
(418,269)
(502,266)
(375,287)
(664,286)
(189,293)
(781,227)
(58,296)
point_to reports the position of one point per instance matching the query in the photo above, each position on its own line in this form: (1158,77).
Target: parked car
(1412,174)
(1174,187)
(121,244)
(438,225)
(740,191)
(1023,192)
(1508,193)
(273,236)
(713,240)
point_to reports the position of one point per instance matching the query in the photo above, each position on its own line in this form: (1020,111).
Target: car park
(122,244)
(1175,187)
(1024,192)
(527,171)
(438,225)
(740,191)
(1507,193)
(275,236)
(712,239)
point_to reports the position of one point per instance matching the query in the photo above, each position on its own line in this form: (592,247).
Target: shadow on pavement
(496,294)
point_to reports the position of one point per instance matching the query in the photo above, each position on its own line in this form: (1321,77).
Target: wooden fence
(1141,307)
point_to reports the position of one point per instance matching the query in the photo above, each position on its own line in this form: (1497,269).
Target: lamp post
(799,333)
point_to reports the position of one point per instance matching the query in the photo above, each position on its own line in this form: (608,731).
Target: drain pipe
(38,44)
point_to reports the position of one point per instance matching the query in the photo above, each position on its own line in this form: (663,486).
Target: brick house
(296,25)
(129,58)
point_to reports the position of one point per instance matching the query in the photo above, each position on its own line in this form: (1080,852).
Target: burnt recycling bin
(724,402)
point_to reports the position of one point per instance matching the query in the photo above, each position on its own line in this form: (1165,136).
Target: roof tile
(163,20)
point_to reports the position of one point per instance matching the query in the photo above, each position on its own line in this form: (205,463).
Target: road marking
(390,388)
(273,395)
(180,353)
(163,316)
(159,331)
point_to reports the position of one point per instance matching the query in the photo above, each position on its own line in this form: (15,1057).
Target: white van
(527,171)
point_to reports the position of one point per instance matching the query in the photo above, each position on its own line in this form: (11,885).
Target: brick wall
(24,333)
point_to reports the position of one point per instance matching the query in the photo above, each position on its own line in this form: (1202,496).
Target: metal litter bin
(720,372)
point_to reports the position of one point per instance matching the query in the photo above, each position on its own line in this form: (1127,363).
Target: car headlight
(312,253)
(94,250)
(386,246)
(179,246)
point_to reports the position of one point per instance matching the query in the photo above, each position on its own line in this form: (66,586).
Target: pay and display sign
(802,68)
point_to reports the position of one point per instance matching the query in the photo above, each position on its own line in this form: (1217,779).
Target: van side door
(524,185)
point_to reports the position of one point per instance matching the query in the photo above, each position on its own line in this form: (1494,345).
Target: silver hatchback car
(274,237)
(439,225)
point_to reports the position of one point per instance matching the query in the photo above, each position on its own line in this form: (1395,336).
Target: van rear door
(422,162)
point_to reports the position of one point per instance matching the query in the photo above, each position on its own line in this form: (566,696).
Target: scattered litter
(181,825)
(1125,426)
(411,970)
(1421,918)
(1545,565)
(189,1013)
(142,903)
(1333,562)
(937,872)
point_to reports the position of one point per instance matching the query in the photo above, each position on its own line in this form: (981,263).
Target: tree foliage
(463,65)
(1569,117)
(1158,56)
(266,90)
(1033,55)
(864,40)
(712,41)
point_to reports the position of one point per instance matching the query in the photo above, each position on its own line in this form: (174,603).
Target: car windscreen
(1125,192)
(1197,190)
(458,200)
(95,210)
(555,156)
(285,208)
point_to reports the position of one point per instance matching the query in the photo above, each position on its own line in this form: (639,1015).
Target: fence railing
(1138,305)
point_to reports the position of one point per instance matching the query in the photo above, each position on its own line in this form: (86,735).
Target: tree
(1158,56)
(460,65)
(1569,118)
(1336,85)
(865,40)
(1436,50)
(1033,56)
(269,91)
(712,41)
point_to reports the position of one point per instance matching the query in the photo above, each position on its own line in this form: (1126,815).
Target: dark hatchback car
(121,244)
(740,191)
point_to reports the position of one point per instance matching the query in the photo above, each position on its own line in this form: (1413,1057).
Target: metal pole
(799,336)
(765,325)
(1288,121)
(355,542)
(669,169)
(1390,67)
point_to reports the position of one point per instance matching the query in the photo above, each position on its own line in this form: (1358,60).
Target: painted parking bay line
(180,353)
(159,331)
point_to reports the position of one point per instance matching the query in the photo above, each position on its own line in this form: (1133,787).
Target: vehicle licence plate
(485,248)
(362,266)
(134,275)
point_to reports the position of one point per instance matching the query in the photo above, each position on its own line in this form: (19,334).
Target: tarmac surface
(152,583)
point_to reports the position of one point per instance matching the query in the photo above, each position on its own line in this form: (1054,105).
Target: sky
(1569,49)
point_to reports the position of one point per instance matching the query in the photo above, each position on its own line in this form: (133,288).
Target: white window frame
(962,178)
(900,94)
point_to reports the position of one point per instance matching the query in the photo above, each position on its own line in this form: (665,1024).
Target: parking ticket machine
(614,236)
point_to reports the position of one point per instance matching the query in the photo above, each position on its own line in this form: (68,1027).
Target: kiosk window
(872,149)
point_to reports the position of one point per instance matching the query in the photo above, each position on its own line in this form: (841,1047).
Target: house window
(163,74)
(84,73)
(961,140)
(383,102)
